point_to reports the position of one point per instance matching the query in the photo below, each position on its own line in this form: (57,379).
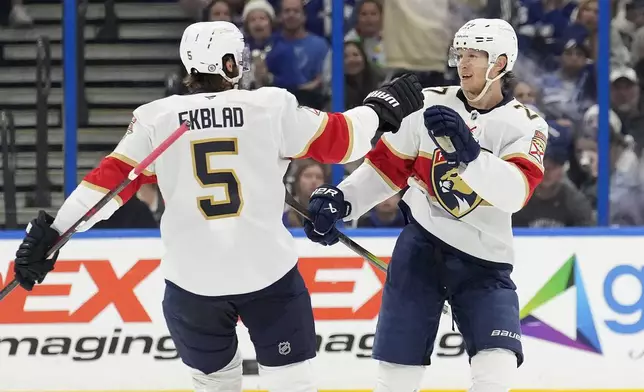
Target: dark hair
(508,82)
(279,8)
(378,4)
(358,86)
(302,165)
(205,13)
(363,53)
(200,82)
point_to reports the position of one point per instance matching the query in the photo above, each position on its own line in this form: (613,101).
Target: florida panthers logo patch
(453,194)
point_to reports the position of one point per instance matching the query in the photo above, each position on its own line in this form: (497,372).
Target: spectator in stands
(569,91)
(14,14)
(217,10)
(525,93)
(318,15)
(310,51)
(237,8)
(556,201)
(384,215)
(134,214)
(360,76)
(626,101)
(626,181)
(632,31)
(273,61)
(629,18)
(151,196)
(309,175)
(368,30)
(541,25)
(416,38)
(584,27)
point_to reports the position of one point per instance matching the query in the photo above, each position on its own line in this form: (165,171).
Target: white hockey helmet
(496,37)
(204,45)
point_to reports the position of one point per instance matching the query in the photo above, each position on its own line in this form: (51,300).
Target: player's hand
(396,100)
(31,265)
(450,133)
(326,207)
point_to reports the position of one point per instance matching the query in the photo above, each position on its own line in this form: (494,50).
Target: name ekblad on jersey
(204,118)
(452,193)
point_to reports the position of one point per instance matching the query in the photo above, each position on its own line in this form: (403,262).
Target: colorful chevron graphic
(567,277)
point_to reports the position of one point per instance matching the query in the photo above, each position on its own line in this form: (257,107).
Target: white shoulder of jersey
(518,119)
(445,96)
(413,123)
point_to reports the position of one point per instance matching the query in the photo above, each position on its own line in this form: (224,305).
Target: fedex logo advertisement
(580,303)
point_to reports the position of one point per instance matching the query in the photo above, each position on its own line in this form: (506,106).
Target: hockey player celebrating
(471,158)
(227,252)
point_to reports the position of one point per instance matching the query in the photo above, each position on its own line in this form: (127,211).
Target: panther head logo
(453,194)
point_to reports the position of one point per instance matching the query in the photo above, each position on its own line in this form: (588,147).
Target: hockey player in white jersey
(227,252)
(470,158)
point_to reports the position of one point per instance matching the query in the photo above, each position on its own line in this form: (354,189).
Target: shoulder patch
(538,146)
(130,128)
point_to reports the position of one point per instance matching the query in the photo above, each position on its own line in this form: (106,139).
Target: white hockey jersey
(468,209)
(222,180)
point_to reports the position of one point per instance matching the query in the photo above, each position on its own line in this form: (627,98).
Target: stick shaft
(370,257)
(136,171)
(373,259)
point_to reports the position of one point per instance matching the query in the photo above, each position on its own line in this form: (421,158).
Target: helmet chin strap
(488,83)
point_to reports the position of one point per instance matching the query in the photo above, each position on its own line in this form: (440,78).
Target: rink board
(96,323)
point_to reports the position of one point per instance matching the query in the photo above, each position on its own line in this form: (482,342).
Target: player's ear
(501,63)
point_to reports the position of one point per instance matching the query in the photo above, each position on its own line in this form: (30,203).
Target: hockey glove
(396,100)
(450,133)
(326,207)
(31,265)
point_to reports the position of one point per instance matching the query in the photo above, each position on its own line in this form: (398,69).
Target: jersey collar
(506,98)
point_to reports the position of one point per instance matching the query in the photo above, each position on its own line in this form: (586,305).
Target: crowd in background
(556,70)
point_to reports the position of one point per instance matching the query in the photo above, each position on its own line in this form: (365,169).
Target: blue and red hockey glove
(326,207)
(450,133)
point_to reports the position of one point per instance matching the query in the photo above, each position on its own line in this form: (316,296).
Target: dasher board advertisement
(96,322)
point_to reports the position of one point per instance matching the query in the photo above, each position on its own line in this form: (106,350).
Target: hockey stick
(370,257)
(62,240)
(380,264)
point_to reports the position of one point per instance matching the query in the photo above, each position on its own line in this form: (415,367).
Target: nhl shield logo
(284,348)
(452,192)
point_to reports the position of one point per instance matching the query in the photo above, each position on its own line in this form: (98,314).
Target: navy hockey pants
(423,273)
(279,319)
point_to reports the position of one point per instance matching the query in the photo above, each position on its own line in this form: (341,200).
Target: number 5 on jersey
(207,177)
